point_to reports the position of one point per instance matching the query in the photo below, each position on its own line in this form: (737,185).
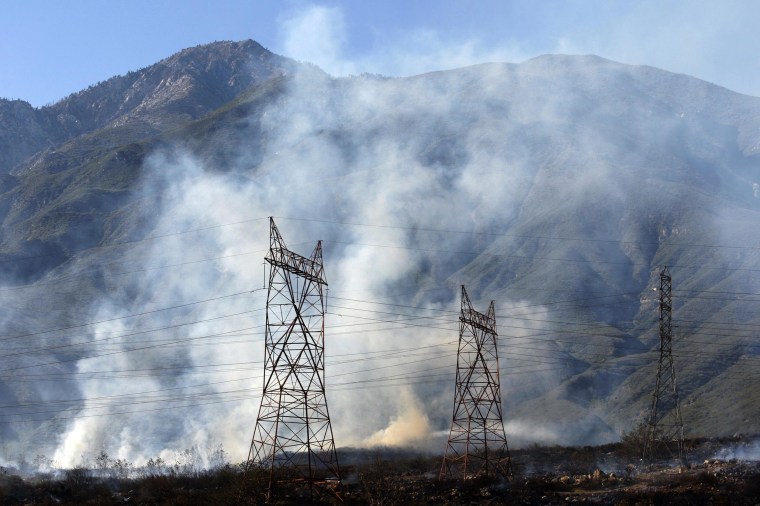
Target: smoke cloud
(333,157)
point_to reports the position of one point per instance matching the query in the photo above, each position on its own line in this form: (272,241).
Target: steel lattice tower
(664,428)
(477,442)
(293,437)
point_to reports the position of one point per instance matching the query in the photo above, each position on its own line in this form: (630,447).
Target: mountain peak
(212,73)
(180,88)
(228,48)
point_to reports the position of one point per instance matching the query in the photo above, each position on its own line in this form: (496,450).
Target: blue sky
(50,48)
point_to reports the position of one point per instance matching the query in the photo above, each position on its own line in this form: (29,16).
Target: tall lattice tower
(293,437)
(664,428)
(477,442)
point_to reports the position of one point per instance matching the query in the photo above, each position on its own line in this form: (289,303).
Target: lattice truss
(477,442)
(664,427)
(293,435)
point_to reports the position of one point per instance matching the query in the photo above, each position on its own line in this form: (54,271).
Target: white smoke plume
(198,368)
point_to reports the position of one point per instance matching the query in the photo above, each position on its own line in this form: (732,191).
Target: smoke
(318,34)
(168,364)
(337,152)
(520,433)
(191,376)
(645,33)
(411,427)
(640,34)
(746,450)
(412,184)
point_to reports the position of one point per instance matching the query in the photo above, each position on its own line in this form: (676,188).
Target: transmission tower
(477,444)
(664,428)
(293,438)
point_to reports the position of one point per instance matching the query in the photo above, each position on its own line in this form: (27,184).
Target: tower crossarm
(478,320)
(297,264)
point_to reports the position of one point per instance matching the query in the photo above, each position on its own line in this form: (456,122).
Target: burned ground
(610,474)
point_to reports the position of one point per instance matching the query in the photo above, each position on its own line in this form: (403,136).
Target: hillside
(558,187)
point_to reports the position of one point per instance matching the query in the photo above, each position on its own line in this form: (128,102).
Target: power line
(117,318)
(518,236)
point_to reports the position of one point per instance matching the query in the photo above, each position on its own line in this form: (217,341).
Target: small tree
(632,442)
(217,457)
(155,467)
(102,464)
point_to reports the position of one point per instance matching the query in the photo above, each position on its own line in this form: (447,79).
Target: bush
(632,442)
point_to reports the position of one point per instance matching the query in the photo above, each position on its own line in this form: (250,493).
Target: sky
(51,48)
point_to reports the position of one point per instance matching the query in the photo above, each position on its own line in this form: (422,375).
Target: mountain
(559,188)
(178,89)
